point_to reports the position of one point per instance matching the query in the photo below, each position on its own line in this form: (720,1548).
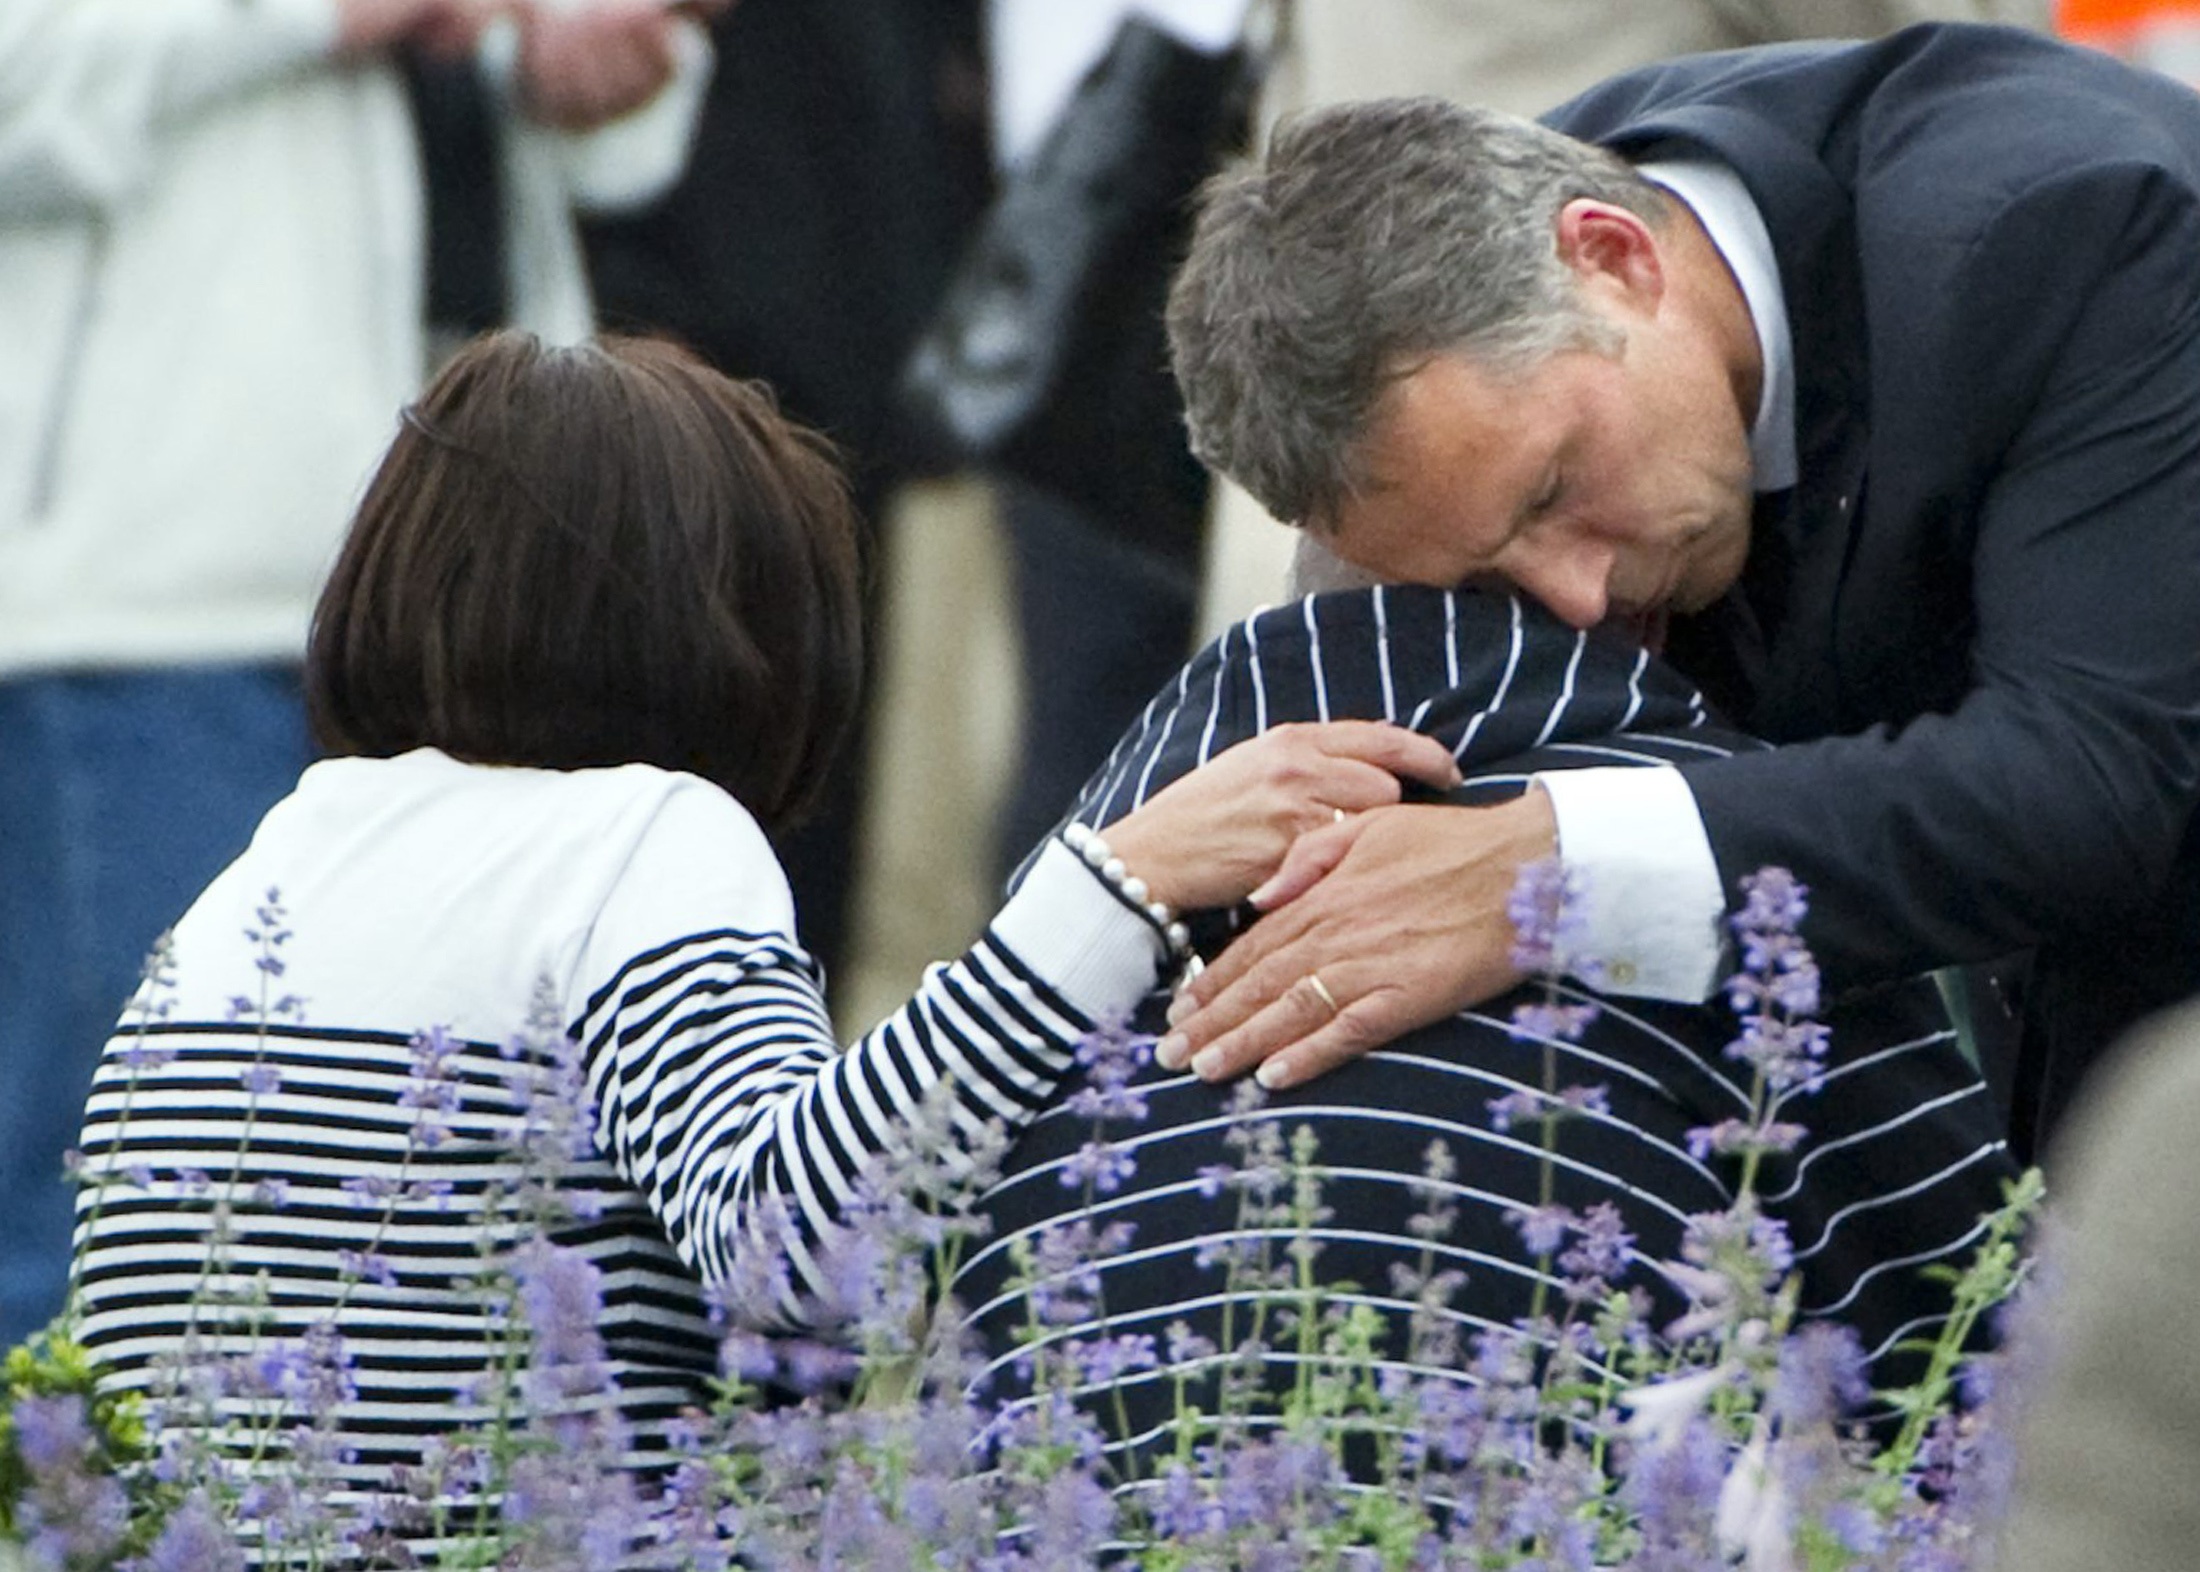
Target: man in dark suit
(1865,378)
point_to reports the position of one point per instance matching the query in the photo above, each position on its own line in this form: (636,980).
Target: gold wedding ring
(1321,991)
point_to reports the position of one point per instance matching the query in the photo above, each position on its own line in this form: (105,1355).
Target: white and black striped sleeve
(716,1079)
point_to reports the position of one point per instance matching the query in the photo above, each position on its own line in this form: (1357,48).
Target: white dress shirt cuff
(1650,897)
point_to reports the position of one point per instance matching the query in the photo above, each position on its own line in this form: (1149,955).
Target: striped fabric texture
(1904,1150)
(325,1106)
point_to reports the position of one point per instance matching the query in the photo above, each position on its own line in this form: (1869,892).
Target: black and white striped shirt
(1904,1151)
(285,1079)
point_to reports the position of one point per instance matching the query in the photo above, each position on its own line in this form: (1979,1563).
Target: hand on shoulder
(1211,837)
(1374,926)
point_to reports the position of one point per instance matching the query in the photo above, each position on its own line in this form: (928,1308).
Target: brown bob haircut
(597,555)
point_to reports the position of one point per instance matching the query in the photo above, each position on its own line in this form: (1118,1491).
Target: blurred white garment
(1039,49)
(212,236)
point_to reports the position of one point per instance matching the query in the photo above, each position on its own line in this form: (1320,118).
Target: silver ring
(1321,992)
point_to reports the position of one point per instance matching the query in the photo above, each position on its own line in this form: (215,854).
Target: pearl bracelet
(1086,842)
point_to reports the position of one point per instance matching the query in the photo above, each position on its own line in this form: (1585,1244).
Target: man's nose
(1573,581)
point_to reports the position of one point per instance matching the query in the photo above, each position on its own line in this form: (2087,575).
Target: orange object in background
(2163,34)
(2087,19)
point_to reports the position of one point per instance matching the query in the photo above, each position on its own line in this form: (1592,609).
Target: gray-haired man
(1865,379)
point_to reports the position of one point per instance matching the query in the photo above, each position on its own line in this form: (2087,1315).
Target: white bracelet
(1086,842)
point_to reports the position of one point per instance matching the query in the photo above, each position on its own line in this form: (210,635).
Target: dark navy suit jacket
(1976,620)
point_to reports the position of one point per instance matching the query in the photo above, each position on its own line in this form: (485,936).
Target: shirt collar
(1722,204)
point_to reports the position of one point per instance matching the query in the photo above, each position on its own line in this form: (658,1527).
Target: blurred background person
(839,162)
(1103,586)
(2108,1401)
(228,244)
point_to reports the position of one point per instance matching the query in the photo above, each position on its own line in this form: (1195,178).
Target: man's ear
(1608,245)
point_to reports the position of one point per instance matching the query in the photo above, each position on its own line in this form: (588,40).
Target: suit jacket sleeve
(2053,797)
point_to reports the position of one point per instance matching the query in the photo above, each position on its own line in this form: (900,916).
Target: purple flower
(1823,1374)
(1774,902)
(1550,1022)
(1789,1054)
(364,1266)
(193,1539)
(1734,1137)
(744,1355)
(561,1293)
(1187,1347)
(51,1432)
(72,1513)
(813,1366)
(141,1056)
(1542,1228)
(1545,910)
(1515,1108)
(261,1080)
(1099,1164)
(1103,1361)
(1111,1056)
(1601,1252)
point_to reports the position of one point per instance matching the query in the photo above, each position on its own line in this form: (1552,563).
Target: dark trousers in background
(1103,624)
(122,794)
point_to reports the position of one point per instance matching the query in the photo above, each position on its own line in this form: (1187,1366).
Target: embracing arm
(611,89)
(718,1084)
(2051,800)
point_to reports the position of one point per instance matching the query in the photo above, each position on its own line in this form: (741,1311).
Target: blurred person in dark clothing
(839,163)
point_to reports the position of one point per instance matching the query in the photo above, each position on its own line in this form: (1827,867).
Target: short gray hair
(1373,236)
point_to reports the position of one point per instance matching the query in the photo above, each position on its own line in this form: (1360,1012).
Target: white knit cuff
(1066,925)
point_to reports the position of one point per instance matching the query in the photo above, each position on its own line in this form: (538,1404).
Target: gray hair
(1373,236)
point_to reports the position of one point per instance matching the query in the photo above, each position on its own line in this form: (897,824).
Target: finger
(1296,1013)
(1393,748)
(1361,1026)
(1229,990)
(1310,860)
(1355,786)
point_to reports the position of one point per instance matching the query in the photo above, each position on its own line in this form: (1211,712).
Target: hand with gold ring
(1211,837)
(1392,920)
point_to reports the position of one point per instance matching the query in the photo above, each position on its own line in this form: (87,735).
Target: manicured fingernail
(1274,1075)
(1180,1009)
(1258,900)
(1171,1052)
(1207,1063)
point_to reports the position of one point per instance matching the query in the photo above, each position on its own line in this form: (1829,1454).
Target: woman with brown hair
(591,639)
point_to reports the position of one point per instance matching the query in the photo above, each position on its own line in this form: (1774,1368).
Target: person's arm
(611,88)
(90,88)
(2052,799)
(717,1081)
